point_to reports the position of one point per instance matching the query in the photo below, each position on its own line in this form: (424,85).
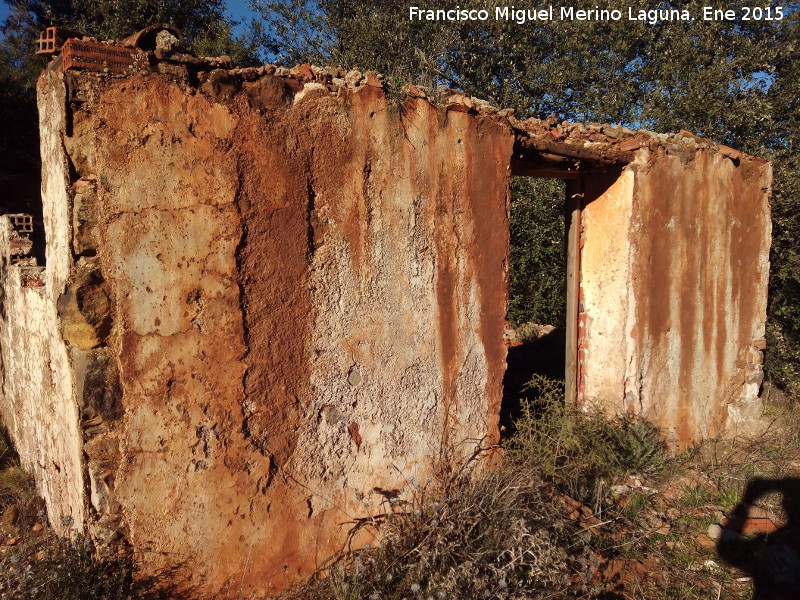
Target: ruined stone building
(271,297)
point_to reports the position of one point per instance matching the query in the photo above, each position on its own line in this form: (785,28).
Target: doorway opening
(570,211)
(536,321)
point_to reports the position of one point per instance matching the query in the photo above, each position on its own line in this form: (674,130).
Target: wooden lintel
(539,171)
(598,156)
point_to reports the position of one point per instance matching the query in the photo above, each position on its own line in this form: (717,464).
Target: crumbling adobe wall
(35,367)
(701,276)
(299,328)
(674,272)
(275,298)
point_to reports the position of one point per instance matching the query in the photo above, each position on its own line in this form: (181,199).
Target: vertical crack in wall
(311,220)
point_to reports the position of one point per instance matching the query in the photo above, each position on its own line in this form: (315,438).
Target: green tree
(204,22)
(783,327)
(536,283)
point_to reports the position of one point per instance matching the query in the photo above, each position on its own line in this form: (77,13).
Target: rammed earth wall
(273,299)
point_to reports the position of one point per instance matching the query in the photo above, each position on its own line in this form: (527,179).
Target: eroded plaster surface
(38,399)
(274,298)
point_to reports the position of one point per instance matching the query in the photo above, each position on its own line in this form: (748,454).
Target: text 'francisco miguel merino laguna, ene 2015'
(521,16)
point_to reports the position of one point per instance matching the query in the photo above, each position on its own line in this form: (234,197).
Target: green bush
(581,454)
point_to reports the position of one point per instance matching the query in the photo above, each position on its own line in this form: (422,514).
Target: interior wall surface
(605,301)
(306,298)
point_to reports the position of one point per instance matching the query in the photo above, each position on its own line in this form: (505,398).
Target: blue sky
(240,10)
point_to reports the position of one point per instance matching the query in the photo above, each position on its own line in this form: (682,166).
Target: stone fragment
(85,234)
(85,308)
(412,91)
(310,89)
(371,79)
(221,85)
(730,152)
(630,144)
(267,93)
(302,71)
(484,107)
(706,541)
(176,70)
(459,102)
(619,490)
(354,377)
(748,526)
(166,41)
(353,78)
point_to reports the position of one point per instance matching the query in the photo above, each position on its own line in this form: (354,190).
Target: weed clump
(581,454)
(495,535)
(33,563)
(51,569)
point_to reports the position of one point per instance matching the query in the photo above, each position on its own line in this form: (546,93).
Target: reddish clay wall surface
(307,303)
(275,298)
(700,283)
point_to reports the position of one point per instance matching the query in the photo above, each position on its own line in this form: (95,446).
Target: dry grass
(37,565)
(495,535)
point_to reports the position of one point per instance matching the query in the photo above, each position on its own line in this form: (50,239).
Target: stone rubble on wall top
(596,136)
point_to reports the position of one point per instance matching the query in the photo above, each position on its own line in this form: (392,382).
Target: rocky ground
(723,525)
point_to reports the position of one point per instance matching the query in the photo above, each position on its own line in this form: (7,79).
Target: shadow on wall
(771,558)
(539,356)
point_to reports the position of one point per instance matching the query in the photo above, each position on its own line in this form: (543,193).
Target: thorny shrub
(581,454)
(495,535)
